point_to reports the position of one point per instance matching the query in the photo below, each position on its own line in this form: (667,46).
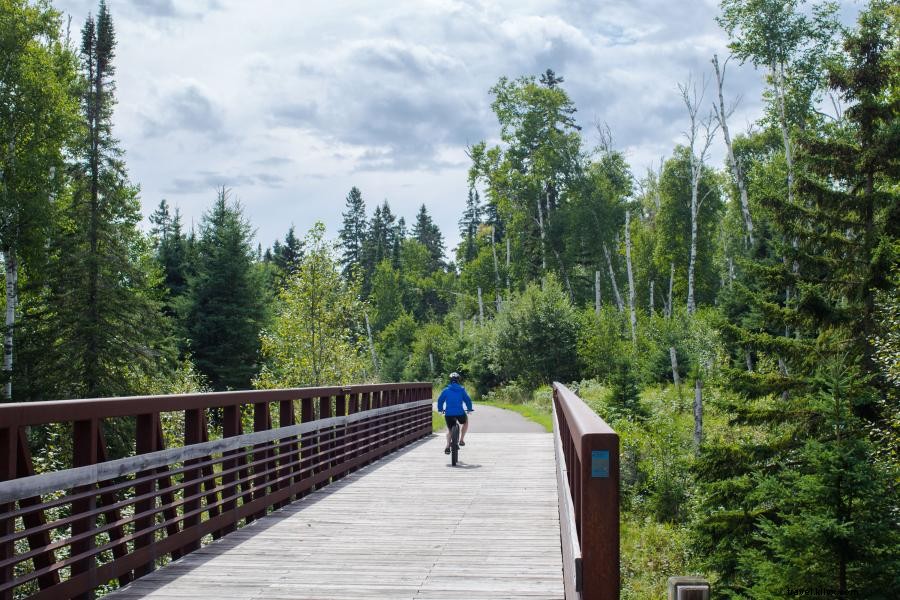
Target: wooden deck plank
(409,526)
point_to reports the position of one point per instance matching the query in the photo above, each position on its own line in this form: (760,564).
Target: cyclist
(450,403)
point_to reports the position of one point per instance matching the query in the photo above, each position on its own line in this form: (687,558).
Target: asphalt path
(489,419)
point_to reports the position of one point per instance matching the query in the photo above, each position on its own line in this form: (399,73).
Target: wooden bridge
(350,496)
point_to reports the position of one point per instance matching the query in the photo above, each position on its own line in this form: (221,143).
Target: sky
(290,104)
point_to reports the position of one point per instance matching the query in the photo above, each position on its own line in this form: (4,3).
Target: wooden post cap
(688,588)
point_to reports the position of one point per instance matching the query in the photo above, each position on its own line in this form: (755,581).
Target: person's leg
(449,421)
(462,434)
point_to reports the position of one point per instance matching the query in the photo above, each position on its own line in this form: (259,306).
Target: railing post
(231,426)
(307,446)
(8,444)
(262,421)
(84,452)
(145,441)
(598,490)
(193,434)
(286,419)
(340,435)
(325,443)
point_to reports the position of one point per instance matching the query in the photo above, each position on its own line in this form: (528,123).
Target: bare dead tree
(630,277)
(612,278)
(700,134)
(722,116)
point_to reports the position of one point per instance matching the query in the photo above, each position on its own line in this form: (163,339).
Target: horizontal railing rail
(68,532)
(587,458)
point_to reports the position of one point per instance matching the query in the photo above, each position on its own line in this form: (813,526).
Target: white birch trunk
(372,343)
(431,362)
(540,214)
(612,278)
(676,379)
(597,298)
(12,300)
(735,166)
(692,100)
(778,75)
(630,277)
(691,303)
(652,307)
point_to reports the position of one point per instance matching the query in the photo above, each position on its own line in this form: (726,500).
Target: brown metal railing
(68,532)
(587,458)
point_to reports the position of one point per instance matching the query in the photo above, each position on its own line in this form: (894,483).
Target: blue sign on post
(599,463)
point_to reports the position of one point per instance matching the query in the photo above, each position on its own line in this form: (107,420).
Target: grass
(437,421)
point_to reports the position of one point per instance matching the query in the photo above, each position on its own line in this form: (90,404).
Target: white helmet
(454,376)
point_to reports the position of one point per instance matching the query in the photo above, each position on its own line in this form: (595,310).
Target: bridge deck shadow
(403,527)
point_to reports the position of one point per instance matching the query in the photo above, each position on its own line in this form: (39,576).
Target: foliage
(313,339)
(223,311)
(537,336)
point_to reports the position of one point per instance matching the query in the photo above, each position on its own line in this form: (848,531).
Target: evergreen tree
(426,232)
(802,501)
(353,233)
(171,254)
(468,227)
(288,256)
(224,312)
(105,307)
(379,243)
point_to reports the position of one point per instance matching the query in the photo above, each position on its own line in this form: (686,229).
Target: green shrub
(537,336)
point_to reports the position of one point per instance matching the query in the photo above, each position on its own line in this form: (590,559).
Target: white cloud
(292,103)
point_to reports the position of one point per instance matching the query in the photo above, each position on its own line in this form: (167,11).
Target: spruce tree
(426,232)
(801,501)
(224,312)
(171,250)
(353,233)
(468,227)
(105,309)
(288,255)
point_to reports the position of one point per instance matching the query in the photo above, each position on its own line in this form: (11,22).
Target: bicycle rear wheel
(454,444)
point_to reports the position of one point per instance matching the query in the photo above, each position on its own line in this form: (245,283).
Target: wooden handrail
(174,497)
(587,455)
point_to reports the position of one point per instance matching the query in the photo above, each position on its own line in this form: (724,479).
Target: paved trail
(488,419)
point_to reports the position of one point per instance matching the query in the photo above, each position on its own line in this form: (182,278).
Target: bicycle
(454,444)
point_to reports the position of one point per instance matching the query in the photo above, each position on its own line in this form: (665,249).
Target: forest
(738,324)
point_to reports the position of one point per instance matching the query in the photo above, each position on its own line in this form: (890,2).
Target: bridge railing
(67,532)
(587,458)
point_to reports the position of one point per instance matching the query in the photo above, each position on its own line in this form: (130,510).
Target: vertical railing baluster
(84,453)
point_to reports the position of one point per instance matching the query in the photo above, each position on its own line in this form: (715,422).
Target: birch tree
(37,117)
(700,133)
(631,307)
(737,170)
(311,341)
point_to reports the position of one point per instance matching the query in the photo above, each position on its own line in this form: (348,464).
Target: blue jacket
(453,396)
